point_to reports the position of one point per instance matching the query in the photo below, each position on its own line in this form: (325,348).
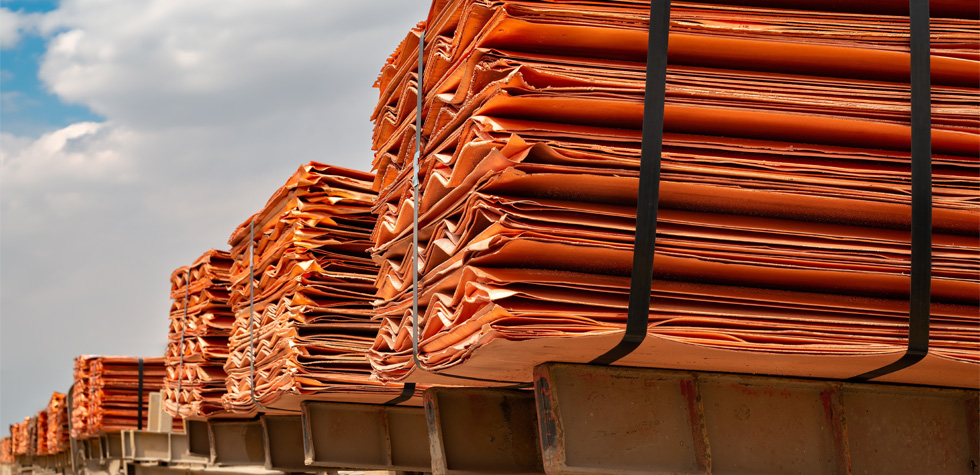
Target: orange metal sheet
(784,196)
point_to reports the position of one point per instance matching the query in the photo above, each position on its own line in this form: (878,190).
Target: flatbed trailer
(575,419)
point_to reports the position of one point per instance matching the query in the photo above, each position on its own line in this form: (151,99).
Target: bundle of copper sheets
(112,400)
(57,427)
(782,239)
(198,339)
(6,450)
(40,434)
(20,438)
(312,295)
(81,397)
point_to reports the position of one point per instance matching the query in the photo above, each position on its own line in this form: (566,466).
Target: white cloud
(209,107)
(13,25)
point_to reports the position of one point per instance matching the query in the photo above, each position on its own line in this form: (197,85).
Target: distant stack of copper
(6,450)
(19,433)
(40,434)
(311,283)
(80,397)
(115,396)
(198,340)
(57,429)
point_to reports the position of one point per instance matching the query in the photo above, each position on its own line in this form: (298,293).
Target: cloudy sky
(136,135)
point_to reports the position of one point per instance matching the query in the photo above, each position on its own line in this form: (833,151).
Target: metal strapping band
(183,329)
(638,313)
(251,320)
(415,235)
(139,405)
(921,265)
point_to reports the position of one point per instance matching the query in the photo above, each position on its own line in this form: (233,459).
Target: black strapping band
(408,391)
(139,405)
(638,313)
(920,291)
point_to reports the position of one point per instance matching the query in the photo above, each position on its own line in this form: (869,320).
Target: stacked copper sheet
(81,397)
(111,399)
(198,339)
(313,288)
(115,396)
(6,450)
(40,434)
(57,427)
(783,243)
(20,437)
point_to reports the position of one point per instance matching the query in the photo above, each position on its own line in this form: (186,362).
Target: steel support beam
(144,446)
(478,430)
(198,440)
(284,444)
(615,420)
(180,453)
(236,443)
(365,436)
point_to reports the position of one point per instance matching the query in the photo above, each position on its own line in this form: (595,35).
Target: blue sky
(28,108)
(204,109)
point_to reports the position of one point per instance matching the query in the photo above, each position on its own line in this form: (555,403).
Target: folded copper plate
(312,291)
(57,427)
(783,243)
(19,435)
(198,339)
(40,435)
(81,397)
(6,450)
(111,400)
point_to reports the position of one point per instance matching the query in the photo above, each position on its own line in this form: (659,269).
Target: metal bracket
(284,443)
(365,436)
(616,420)
(479,430)
(236,443)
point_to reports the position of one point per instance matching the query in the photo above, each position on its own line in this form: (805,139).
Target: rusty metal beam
(616,420)
(365,436)
(478,430)
(198,439)
(236,443)
(284,444)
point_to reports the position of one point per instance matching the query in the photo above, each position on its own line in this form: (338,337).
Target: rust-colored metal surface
(195,380)
(616,420)
(783,244)
(478,430)
(305,270)
(394,438)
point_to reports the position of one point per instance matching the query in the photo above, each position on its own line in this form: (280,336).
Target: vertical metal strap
(415,208)
(251,321)
(183,329)
(638,313)
(251,313)
(408,391)
(921,265)
(72,443)
(139,405)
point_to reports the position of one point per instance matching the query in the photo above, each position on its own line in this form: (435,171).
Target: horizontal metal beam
(180,452)
(198,439)
(284,444)
(365,436)
(616,420)
(479,430)
(236,443)
(145,446)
